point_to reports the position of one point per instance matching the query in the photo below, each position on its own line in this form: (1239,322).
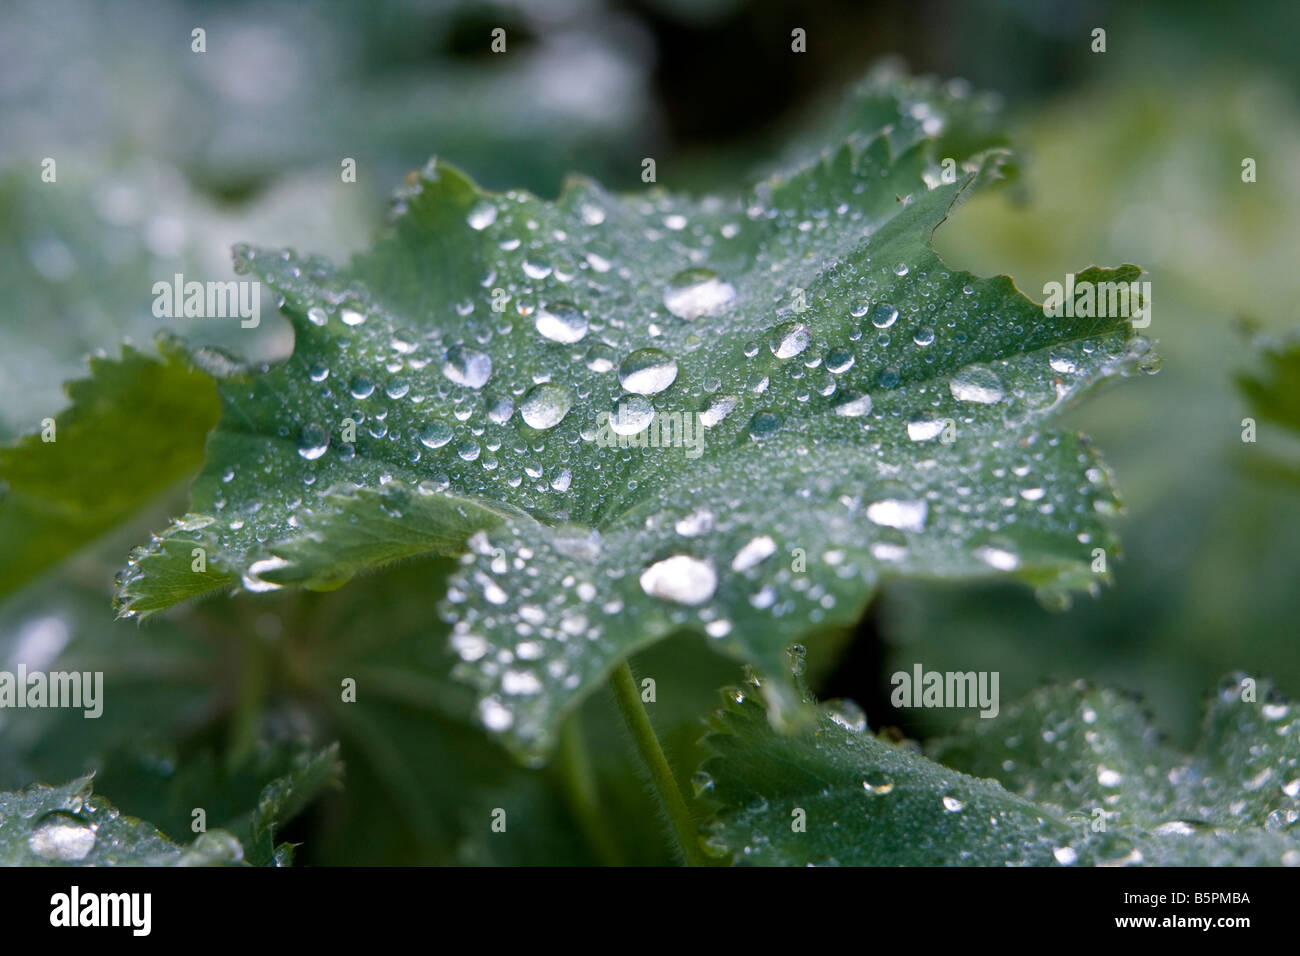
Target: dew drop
(467,367)
(482,215)
(435,434)
(883,315)
(975,384)
(62,838)
(561,322)
(895,513)
(764,425)
(681,578)
(545,406)
(632,415)
(312,441)
(789,340)
(696,292)
(854,405)
(647,372)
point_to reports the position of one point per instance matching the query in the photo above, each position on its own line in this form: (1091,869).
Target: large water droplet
(854,405)
(312,441)
(561,322)
(435,434)
(647,371)
(696,292)
(789,340)
(546,405)
(976,384)
(847,714)
(681,578)
(883,315)
(467,367)
(252,580)
(764,425)
(62,837)
(632,415)
(754,552)
(895,513)
(720,406)
(482,215)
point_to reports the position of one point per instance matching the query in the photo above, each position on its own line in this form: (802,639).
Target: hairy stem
(670,795)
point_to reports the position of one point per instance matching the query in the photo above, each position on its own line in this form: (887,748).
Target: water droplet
(62,837)
(839,360)
(923,336)
(352,317)
(482,215)
(764,425)
(316,315)
(696,292)
(847,714)
(361,387)
(1061,364)
(312,442)
(318,373)
(561,322)
(720,406)
(1065,855)
(699,521)
(975,384)
(546,405)
(467,367)
(252,580)
(681,578)
(895,513)
(647,372)
(883,315)
(924,429)
(789,340)
(494,714)
(757,550)
(901,269)
(632,415)
(854,405)
(435,434)
(952,804)
(998,558)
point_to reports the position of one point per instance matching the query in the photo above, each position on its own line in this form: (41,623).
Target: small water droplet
(764,425)
(482,215)
(854,405)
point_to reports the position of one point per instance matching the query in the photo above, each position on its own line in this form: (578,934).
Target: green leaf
(69,825)
(135,427)
(1274,396)
(808,325)
(1032,786)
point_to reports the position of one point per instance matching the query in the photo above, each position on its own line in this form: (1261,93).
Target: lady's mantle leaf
(812,401)
(1074,775)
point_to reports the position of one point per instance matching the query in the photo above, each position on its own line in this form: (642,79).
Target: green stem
(583,793)
(643,733)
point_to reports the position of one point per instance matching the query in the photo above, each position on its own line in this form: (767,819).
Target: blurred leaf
(135,427)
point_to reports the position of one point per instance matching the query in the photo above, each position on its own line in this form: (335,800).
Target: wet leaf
(814,400)
(1074,775)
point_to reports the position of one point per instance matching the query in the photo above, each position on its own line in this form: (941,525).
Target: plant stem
(643,733)
(582,791)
